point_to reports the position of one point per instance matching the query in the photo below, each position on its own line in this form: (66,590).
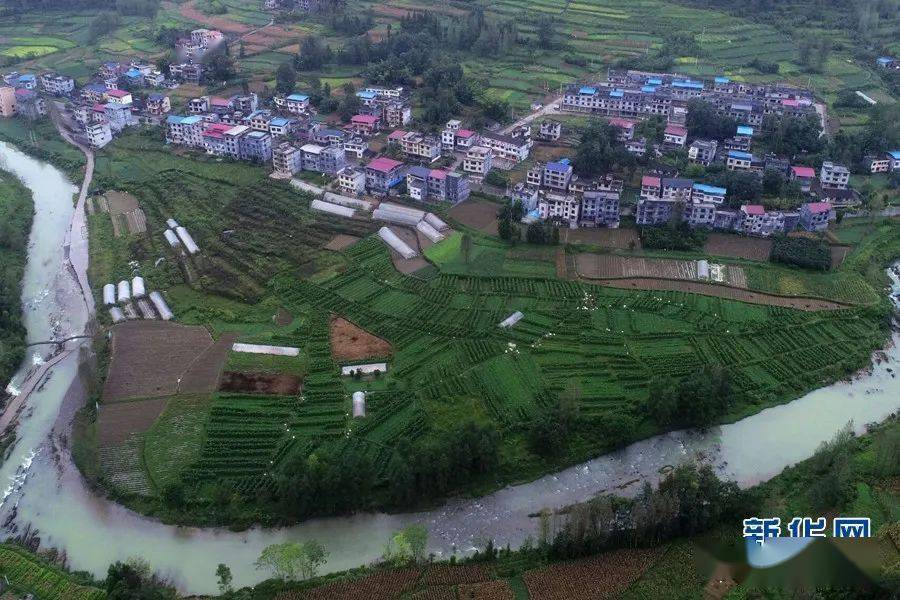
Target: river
(46,493)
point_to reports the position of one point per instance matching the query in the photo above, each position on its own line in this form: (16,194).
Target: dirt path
(720,291)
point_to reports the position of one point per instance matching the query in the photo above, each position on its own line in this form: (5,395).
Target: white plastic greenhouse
(171,237)
(334,209)
(124,291)
(161,307)
(171,223)
(359,404)
(395,213)
(436,222)
(138,290)
(187,240)
(430,232)
(347,201)
(109,294)
(511,319)
(116,314)
(402,248)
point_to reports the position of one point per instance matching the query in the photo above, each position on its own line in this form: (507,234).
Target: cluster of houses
(888,62)
(20,97)
(700,205)
(639,95)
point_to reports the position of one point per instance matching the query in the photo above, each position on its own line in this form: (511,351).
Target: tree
(285,78)
(314,54)
(219,66)
(407,545)
(599,150)
(696,400)
(350,102)
(133,580)
(546,26)
(293,561)
(102,24)
(224,578)
(465,247)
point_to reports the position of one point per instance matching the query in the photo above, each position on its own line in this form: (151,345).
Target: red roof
(790,102)
(99,107)
(217,130)
(117,93)
(623,123)
(650,181)
(676,130)
(804,172)
(754,209)
(818,207)
(384,164)
(396,134)
(365,119)
(465,133)
(214,101)
(438,174)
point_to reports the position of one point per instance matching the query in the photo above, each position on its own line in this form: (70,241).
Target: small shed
(171,238)
(187,240)
(124,291)
(702,269)
(511,320)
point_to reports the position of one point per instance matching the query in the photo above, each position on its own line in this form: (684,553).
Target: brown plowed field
(738,246)
(477,214)
(117,421)
(279,384)
(618,239)
(489,590)
(148,357)
(351,343)
(340,242)
(202,376)
(605,576)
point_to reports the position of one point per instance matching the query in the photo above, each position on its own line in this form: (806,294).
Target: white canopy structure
(703,269)
(109,294)
(511,320)
(161,307)
(347,201)
(116,314)
(436,222)
(171,223)
(260,349)
(396,213)
(334,209)
(138,290)
(187,240)
(359,404)
(430,232)
(171,238)
(124,291)
(399,246)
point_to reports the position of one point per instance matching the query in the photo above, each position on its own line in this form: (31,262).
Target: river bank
(48,497)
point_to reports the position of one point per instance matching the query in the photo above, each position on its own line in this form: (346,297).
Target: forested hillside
(16,211)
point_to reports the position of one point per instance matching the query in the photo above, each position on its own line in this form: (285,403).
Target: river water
(47,494)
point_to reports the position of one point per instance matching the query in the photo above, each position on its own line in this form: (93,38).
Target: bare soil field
(417,242)
(125,213)
(384,585)
(618,239)
(737,246)
(477,214)
(722,291)
(604,576)
(202,375)
(489,590)
(350,342)
(283,318)
(279,384)
(148,357)
(117,421)
(191,12)
(340,242)
(452,575)
(608,266)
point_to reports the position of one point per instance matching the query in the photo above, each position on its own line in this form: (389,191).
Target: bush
(679,237)
(801,252)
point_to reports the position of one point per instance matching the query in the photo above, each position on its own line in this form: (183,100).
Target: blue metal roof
(564,161)
(558,166)
(298,97)
(654,81)
(279,121)
(175,119)
(191,120)
(26,77)
(744,130)
(723,80)
(739,154)
(895,154)
(365,94)
(710,189)
(648,89)
(133,73)
(693,85)
(586,89)
(885,59)
(616,94)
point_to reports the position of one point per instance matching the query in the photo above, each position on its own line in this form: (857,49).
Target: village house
(329,159)
(423,183)
(120,96)
(524,194)
(448,135)
(365,124)
(511,149)
(555,175)
(887,62)
(550,130)
(416,145)
(286,159)
(804,176)
(214,140)
(599,209)
(259,120)
(478,160)
(280,127)
(834,175)
(703,152)
(636,147)
(563,208)
(384,173)
(356,146)
(30,105)
(157,104)
(119,116)
(256,146)
(735,160)
(329,137)
(814,216)
(185,131)
(625,128)
(56,84)
(296,104)
(98,134)
(93,92)
(878,164)
(708,194)
(352,181)
(187,72)
(753,219)
(675,135)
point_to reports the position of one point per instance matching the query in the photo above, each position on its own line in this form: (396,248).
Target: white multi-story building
(98,134)
(562,207)
(834,176)
(56,84)
(352,180)
(478,160)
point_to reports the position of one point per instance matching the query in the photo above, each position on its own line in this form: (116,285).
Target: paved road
(548,109)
